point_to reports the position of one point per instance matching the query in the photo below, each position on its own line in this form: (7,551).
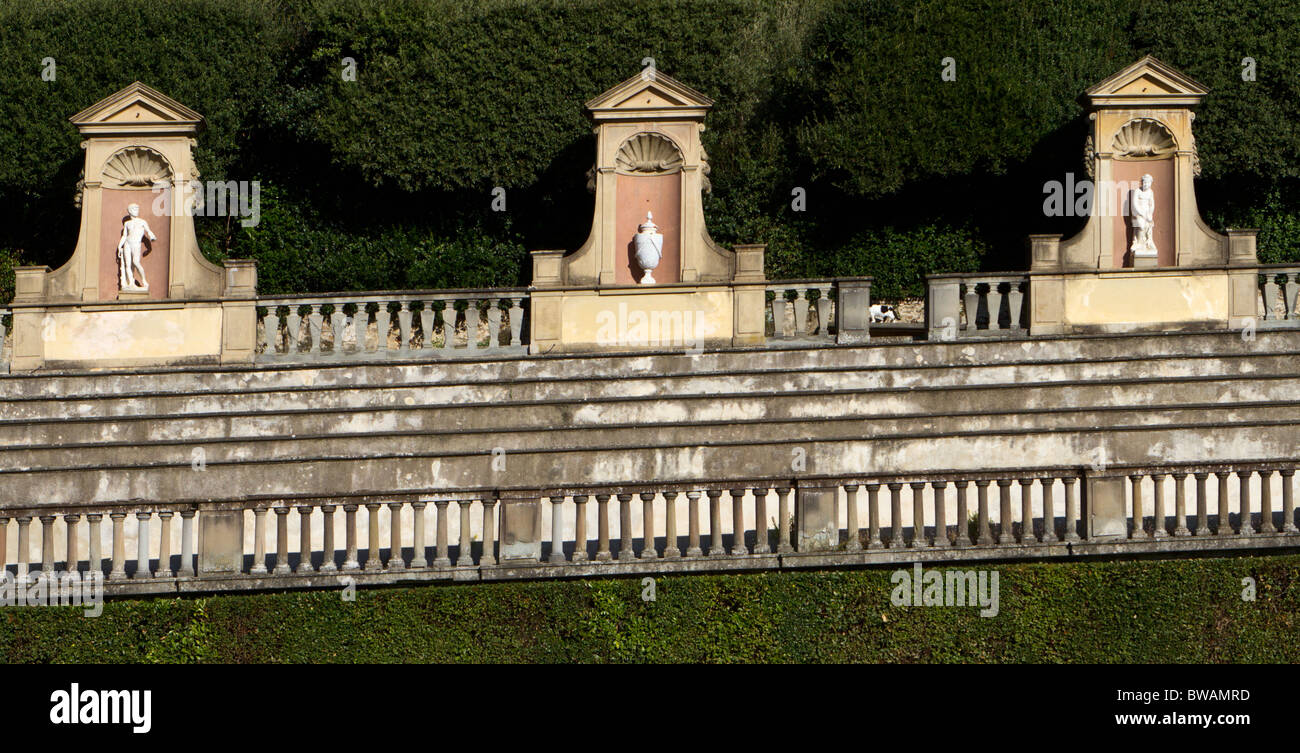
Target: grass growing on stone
(1187,610)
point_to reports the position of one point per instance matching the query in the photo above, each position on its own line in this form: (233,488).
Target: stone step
(971,402)
(662,386)
(594,438)
(347,372)
(441,465)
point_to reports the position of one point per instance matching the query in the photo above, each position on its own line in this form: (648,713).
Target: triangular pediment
(650,92)
(1148,78)
(138,106)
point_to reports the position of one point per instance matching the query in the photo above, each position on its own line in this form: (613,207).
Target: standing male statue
(1142,207)
(129,257)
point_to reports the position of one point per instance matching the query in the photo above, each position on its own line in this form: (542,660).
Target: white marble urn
(649,248)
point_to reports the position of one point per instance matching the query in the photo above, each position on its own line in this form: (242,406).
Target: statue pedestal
(133,294)
(1145,262)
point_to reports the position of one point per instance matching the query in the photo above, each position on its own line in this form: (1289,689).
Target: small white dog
(883,313)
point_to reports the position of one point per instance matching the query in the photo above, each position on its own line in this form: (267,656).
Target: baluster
(738,547)
(854,532)
(417,557)
(1139,523)
(383,325)
(404,327)
(488,558)
(1202,525)
(271,331)
(494,324)
(315,320)
(1015,299)
(427,315)
(715,522)
(1223,525)
(800,312)
(338,323)
(1005,524)
(648,551)
(940,513)
(119,545)
(895,515)
(1290,294)
(625,527)
(971,305)
(761,543)
(292,334)
(873,516)
(1027,511)
(24,546)
(372,537)
(557,530)
(982,510)
(328,563)
(1159,524)
(778,316)
(350,556)
(465,555)
(1048,486)
(602,528)
(95,543)
(259,541)
(281,541)
(4,541)
(472,318)
(1288,503)
(995,309)
(693,524)
(187,543)
(1270,296)
(1071,510)
(1180,504)
(164,546)
(580,528)
(47,547)
(785,500)
(442,557)
(918,514)
(1247,525)
(823,310)
(963,537)
(304,539)
(142,546)
(516,321)
(71,562)
(395,559)
(1266,502)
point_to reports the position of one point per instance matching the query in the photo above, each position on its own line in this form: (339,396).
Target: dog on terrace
(883,313)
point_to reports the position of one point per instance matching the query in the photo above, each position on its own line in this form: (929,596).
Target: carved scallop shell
(137,166)
(648,153)
(1144,138)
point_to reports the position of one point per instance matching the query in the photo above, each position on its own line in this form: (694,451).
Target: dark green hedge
(1187,610)
(385,182)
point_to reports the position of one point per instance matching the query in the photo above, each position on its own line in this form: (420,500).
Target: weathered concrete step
(894,355)
(659,386)
(365,444)
(652,411)
(441,468)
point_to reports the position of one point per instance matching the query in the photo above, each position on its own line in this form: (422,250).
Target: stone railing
(1279,287)
(965,306)
(369,325)
(810,310)
(660,528)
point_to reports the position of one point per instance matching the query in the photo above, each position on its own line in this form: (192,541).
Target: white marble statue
(130,260)
(649,248)
(1142,207)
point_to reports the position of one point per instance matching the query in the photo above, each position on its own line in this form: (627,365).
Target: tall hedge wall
(1188,610)
(386,182)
